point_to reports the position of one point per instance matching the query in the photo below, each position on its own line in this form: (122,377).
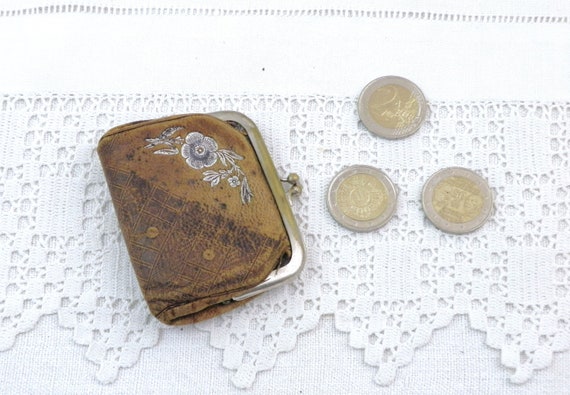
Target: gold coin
(362,198)
(457,200)
(392,107)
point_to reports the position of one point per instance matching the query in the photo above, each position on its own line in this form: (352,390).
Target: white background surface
(307,54)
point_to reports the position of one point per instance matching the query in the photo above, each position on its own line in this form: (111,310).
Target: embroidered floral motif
(233,181)
(200,152)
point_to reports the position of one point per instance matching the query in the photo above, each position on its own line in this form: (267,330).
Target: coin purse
(206,220)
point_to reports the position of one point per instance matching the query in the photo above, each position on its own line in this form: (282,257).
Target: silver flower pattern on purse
(200,152)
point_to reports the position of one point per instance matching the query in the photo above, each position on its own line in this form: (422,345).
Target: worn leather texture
(200,222)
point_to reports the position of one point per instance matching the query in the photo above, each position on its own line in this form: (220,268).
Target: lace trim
(343,13)
(62,247)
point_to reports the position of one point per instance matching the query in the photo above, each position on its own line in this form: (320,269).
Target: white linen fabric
(498,98)
(324,50)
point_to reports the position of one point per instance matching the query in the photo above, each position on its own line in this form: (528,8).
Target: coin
(362,198)
(392,107)
(457,200)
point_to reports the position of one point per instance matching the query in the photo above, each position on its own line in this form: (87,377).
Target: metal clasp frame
(286,273)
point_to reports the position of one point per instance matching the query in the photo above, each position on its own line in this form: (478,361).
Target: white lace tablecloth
(496,78)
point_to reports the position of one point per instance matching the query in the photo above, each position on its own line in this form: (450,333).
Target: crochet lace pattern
(61,251)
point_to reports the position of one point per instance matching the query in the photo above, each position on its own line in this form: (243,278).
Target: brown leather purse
(205,217)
